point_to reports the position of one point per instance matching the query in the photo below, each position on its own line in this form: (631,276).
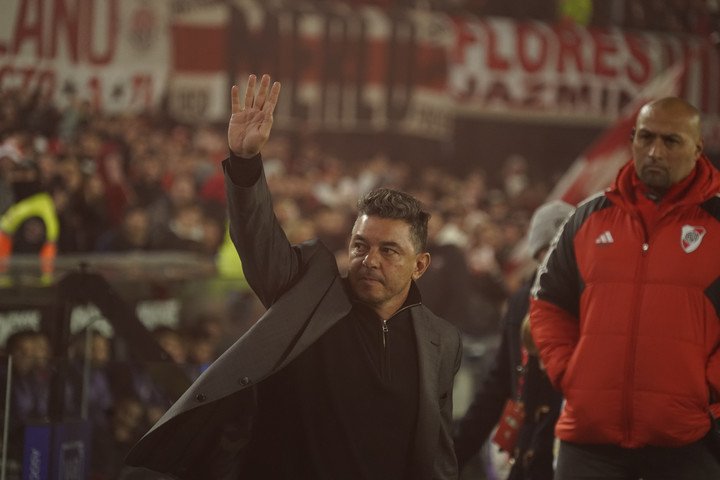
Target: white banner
(113,53)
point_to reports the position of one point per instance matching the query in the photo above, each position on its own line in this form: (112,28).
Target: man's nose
(370,260)
(657,148)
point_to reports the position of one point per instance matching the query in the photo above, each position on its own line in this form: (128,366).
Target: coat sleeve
(554,308)
(556,334)
(270,264)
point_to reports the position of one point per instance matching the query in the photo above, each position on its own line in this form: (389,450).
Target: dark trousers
(610,462)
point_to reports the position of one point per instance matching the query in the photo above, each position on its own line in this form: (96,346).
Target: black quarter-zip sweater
(346,408)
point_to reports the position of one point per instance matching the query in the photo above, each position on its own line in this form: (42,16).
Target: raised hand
(252,120)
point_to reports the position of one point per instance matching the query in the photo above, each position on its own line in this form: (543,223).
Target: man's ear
(422,262)
(632,134)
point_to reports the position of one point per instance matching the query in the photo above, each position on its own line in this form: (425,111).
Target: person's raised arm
(269,262)
(252,116)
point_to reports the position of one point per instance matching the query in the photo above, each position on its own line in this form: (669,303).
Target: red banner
(368,69)
(343,68)
(567,71)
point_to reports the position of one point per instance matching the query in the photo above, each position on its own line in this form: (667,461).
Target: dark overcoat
(204,433)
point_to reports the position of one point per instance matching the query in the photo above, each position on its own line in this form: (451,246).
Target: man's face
(665,146)
(383,262)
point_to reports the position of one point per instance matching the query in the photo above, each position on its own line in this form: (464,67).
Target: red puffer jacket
(627,318)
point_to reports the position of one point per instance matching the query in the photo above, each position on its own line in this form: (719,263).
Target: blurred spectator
(181,193)
(172,341)
(94,392)
(447,287)
(111,170)
(331,226)
(30,224)
(30,389)
(515,178)
(189,229)
(141,380)
(112,440)
(133,234)
(78,193)
(202,348)
(146,174)
(73,118)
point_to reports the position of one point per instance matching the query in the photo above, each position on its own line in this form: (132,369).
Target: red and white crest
(690,237)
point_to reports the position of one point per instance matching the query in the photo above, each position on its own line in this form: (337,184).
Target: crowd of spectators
(141,182)
(118,183)
(119,400)
(124,183)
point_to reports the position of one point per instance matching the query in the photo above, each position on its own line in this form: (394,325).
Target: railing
(51,424)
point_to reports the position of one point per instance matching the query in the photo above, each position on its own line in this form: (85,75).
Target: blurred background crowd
(145,182)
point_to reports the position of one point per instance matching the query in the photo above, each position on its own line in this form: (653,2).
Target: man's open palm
(252,119)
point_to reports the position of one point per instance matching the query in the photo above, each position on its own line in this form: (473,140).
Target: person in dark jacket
(342,378)
(516,375)
(625,311)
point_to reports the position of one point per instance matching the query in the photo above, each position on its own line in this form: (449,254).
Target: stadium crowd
(144,183)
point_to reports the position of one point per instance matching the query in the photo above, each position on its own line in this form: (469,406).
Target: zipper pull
(385,331)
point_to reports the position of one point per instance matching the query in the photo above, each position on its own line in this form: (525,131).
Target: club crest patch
(691,237)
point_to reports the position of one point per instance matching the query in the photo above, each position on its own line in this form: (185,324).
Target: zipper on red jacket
(632,344)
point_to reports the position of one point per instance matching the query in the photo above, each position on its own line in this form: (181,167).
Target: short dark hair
(389,203)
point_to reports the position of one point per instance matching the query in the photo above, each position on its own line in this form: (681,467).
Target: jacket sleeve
(554,308)
(269,262)
(556,334)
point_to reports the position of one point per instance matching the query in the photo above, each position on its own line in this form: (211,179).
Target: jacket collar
(702,184)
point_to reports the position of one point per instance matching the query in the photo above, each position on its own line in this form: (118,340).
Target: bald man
(625,312)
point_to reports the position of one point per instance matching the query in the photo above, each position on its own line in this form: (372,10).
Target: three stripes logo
(604,238)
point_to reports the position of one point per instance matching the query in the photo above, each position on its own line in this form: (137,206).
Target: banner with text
(355,69)
(368,69)
(568,72)
(113,53)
